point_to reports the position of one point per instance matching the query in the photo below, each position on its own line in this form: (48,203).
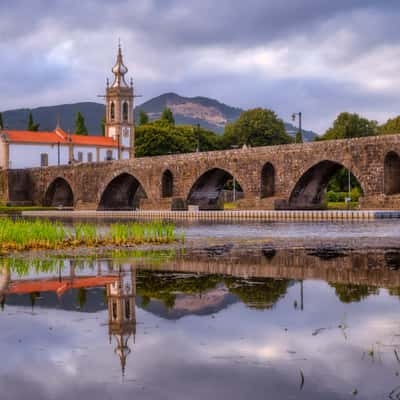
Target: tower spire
(119,70)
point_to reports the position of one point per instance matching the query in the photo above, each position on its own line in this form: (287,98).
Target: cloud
(320,58)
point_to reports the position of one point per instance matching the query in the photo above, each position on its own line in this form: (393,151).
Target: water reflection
(208,324)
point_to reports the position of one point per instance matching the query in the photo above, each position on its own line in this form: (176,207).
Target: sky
(318,57)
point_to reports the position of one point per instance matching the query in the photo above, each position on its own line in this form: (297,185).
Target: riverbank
(233,215)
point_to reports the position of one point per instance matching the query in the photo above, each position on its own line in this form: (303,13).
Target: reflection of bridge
(290,176)
(373,269)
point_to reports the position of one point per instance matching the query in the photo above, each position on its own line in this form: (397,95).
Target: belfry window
(125,109)
(112,111)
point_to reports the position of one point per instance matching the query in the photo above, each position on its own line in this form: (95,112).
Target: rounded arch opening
(59,193)
(392,173)
(311,190)
(123,193)
(267,181)
(213,189)
(125,109)
(167,184)
(112,111)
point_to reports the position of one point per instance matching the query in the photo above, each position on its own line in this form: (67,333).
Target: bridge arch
(310,189)
(59,193)
(123,192)
(167,184)
(206,190)
(392,173)
(267,181)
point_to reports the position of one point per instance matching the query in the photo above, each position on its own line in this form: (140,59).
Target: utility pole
(300,116)
(198,138)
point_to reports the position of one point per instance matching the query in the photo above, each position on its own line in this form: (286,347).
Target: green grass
(230,206)
(19,209)
(23,234)
(339,205)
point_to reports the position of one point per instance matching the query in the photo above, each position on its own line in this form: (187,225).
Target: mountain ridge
(210,113)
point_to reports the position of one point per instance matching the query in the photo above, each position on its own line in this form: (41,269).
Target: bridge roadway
(275,177)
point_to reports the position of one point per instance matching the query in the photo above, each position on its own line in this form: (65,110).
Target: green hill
(209,113)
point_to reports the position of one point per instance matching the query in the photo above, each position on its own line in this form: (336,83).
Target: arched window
(267,181)
(112,111)
(127,310)
(167,184)
(392,173)
(125,111)
(114,310)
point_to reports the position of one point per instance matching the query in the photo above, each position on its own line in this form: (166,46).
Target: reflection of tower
(4,282)
(121,297)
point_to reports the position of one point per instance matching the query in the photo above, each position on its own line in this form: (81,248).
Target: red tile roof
(60,287)
(58,136)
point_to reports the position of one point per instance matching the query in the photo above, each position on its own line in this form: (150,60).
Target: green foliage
(161,138)
(348,125)
(349,293)
(103,126)
(258,293)
(337,197)
(31,124)
(80,127)
(1,121)
(25,234)
(392,126)
(257,127)
(143,118)
(168,116)
(81,297)
(299,137)
(339,185)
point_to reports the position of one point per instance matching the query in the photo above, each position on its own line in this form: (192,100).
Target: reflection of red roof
(59,287)
(58,136)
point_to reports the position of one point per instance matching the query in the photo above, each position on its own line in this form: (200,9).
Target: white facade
(23,155)
(26,149)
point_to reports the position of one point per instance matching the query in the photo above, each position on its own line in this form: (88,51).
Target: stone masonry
(298,181)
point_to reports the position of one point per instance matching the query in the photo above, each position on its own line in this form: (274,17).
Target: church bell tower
(120,123)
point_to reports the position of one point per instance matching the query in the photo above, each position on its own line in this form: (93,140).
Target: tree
(1,121)
(162,138)
(143,118)
(392,126)
(155,140)
(299,137)
(80,127)
(348,125)
(349,293)
(168,116)
(257,127)
(31,124)
(103,125)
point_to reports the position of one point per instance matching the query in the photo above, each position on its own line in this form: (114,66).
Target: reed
(23,234)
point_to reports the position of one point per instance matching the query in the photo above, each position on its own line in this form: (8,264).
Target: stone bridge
(281,177)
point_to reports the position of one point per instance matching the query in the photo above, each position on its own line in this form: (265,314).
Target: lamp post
(300,116)
(198,138)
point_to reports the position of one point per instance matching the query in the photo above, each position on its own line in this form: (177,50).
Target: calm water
(285,325)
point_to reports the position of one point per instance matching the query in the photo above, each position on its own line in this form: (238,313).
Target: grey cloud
(165,36)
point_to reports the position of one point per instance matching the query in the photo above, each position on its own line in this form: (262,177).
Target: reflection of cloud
(237,354)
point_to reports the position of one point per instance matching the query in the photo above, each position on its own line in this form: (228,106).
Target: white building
(26,149)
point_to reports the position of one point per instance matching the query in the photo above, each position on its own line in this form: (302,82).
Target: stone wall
(365,157)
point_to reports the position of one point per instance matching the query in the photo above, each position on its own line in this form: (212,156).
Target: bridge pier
(265,178)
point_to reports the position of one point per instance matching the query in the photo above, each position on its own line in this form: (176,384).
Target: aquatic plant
(23,234)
